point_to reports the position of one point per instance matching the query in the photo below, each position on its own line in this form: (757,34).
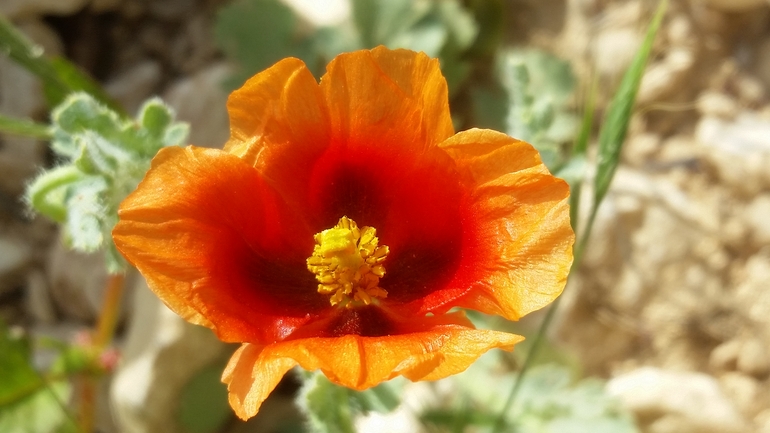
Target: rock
(743,390)
(738,150)
(725,356)
(39,303)
(132,87)
(757,221)
(161,354)
(691,401)
(736,5)
(23,8)
(614,49)
(200,100)
(77,281)
(754,358)
(15,255)
(717,104)
(751,290)
(665,77)
(762,421)
(640,148)
(321,14)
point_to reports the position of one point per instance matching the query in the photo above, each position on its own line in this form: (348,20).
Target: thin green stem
(24,127)
(29,55)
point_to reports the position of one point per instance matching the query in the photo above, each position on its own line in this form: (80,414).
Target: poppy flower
(343,221)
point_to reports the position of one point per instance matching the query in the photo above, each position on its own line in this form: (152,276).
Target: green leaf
(203,407)
(47,195)
(176,134)
(85,211)
(155,117)
(258,33)
(613,131)
(27,403)
(24,127)
(15,364)
(539,87)
(326,405)
(40,412)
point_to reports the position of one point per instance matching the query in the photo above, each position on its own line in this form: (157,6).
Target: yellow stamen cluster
(347,262)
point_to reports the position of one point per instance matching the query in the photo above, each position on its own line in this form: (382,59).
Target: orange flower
(342,221)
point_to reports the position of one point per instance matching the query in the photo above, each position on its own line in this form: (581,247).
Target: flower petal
(518,241)
(359,362)
(219,247)
(279,123)
(387,98)
(281,105)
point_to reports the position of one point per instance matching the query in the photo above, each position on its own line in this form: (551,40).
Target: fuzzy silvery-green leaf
(550,401)
(331,408)
(102,157)
(326,405)
(539,86)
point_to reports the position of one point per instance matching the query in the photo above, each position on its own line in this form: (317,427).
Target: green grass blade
(30,56)
(24,127)
(615,127)
(579,153)
(59,76)
(611,138)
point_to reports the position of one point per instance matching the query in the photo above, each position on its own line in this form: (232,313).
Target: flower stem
(108,317)
(24,127)
(87,402)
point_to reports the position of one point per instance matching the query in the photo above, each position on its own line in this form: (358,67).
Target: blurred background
(664,329)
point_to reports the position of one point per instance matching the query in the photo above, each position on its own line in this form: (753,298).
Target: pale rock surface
(692,402)
(744,391)
(725,356)
(161,354)
(200,100)
(762,421)
(738,150)
(757,220)
(751,291)
(718,104)
(754,358)
(327,13)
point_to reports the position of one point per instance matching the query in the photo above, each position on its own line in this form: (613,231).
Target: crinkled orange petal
(523,247)
(279,123)
(383,98)
(217,245)
(358,362)
(280,106)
